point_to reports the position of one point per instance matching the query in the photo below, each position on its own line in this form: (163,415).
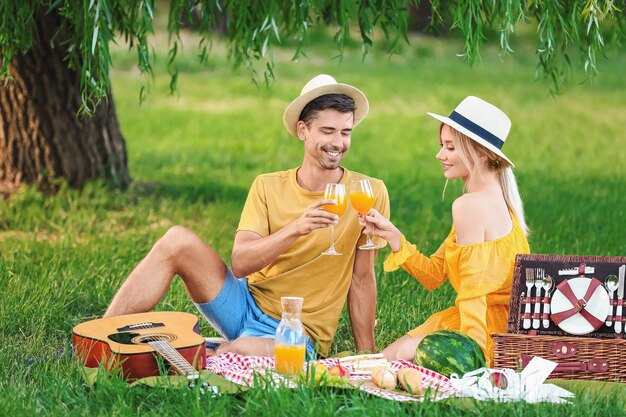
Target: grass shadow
(198,192)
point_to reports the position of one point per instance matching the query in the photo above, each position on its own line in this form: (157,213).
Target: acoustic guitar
(132,343)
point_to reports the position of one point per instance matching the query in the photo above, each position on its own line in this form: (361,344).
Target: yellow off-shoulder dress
(481,274)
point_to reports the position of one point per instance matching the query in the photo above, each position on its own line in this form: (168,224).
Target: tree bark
(42,139)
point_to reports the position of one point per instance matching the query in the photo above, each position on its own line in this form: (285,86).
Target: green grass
(194,155)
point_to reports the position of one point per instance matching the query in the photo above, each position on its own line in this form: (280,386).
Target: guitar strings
(176,358)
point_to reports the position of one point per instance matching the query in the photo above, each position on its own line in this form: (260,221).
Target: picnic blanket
(245,371)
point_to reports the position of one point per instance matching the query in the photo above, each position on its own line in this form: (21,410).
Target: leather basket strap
(591,365)
(578,305)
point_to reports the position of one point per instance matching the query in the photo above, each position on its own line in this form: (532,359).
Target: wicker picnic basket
(599,354)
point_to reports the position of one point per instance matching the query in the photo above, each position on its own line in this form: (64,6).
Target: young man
(282,231)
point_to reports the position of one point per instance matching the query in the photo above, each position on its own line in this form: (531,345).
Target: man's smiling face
(327,138)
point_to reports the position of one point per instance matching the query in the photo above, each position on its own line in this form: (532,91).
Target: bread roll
(410,380)
(384,377)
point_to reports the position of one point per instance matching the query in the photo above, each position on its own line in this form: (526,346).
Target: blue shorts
(234,313)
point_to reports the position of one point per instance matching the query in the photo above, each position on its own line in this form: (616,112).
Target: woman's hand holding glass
(362,199)
(375,224)
(335,192)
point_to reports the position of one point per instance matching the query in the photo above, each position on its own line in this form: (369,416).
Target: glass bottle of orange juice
(290,341)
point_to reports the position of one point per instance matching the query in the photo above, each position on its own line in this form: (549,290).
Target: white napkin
(512,386)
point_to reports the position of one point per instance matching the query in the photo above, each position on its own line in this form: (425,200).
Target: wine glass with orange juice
(362,199)
(335,192)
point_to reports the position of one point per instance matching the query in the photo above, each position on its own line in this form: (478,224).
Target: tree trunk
(420,16)
(42,139)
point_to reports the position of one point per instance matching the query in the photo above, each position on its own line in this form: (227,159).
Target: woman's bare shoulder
(470,205)
(468,216)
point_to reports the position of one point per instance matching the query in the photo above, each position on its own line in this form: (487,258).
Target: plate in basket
(598,305)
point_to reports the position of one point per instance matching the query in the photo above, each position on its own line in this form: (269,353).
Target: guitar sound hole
(145,338)
(132,338)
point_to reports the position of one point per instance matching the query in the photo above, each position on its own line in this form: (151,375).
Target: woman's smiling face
(453,167)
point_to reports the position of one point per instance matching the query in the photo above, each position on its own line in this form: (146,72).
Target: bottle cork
(292,304)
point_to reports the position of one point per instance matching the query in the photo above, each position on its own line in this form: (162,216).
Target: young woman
(488,231)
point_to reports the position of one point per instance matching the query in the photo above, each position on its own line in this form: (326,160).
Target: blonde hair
(470,154)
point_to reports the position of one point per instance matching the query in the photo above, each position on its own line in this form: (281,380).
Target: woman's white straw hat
(316,87)
(480,121)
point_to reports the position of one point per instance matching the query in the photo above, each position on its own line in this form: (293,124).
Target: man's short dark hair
(339,102)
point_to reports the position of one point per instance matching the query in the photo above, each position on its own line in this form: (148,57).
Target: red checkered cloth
(242,370)
(438,387)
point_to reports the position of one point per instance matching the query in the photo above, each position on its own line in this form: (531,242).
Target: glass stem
(332,237)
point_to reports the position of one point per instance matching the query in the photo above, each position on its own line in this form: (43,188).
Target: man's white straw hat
(316,87)
(482,122)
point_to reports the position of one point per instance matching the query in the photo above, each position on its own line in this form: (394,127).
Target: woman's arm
(375,224)
(427,270)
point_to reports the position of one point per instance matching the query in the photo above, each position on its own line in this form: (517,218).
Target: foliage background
(194,155)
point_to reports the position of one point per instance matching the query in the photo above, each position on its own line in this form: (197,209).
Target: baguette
(363,363)
(410,380)
(384,377)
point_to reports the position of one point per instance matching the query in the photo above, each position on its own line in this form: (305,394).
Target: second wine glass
(335,192)
(362,199)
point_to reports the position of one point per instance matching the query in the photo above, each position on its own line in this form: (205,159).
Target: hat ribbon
(476,129)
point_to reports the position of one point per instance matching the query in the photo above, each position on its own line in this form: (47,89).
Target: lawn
(193,157)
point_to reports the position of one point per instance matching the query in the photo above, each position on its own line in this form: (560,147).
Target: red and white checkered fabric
(241,370)
(437,386)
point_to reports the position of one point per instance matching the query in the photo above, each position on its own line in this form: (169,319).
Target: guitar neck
(175,359)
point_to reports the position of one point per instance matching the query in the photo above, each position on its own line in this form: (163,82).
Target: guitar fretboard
(174,357)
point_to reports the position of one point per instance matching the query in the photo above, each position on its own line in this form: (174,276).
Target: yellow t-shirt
(274,201)
(480,273)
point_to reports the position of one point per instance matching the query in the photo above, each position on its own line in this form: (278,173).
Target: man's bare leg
(179,252)
(256,346)
(403,348)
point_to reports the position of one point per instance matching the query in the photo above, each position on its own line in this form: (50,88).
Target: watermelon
(449,352)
